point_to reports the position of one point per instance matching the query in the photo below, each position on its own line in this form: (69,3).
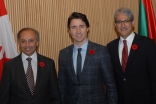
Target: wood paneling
(49,17)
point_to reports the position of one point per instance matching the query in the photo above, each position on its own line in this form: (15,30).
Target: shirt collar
(129,38)
(84,46)
(33,56)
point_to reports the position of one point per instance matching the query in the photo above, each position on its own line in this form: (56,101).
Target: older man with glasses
(134,62)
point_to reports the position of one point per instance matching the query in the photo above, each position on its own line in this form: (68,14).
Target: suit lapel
(116,57)
(20,71)
(132,51)
(88,57)
(40,73)
(70,55)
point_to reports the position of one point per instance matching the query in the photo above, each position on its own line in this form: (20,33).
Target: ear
(133,22)
(37,43)
(69,31)
(87,29)
(114,24)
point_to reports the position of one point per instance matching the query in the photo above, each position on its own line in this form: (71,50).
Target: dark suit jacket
(14,88)
(138,84)
(97,71)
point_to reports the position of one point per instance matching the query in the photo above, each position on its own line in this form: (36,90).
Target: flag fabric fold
(8,48)
(147,20)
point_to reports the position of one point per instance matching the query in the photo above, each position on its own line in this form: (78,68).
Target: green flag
(147,21)
(142,26)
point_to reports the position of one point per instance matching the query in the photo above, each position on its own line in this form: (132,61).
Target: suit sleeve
(151,61)
(62,80)
(55,94)
(5,86)
(108,77)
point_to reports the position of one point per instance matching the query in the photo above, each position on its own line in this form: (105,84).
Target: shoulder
(95,45)
(41,57)
(67,49)
(98,48)
(113,42)
(144,40)
(14,60)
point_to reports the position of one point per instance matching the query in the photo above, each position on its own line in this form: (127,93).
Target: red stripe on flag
(7,42)
(2,61)
(2,8)
(151,21)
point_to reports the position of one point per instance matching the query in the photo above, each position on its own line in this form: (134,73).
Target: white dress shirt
(129,40)
(33,63)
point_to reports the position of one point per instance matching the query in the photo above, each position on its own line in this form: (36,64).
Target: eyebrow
(28,39)
(79,25)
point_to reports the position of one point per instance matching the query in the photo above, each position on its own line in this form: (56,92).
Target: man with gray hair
(134,62)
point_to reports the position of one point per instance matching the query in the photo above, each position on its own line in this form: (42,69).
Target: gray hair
(126,11)
(27,28)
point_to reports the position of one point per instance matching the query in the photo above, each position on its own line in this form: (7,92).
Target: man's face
(78,31)
(28,42)
(124,25)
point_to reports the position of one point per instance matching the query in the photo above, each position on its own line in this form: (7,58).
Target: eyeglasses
(125,22)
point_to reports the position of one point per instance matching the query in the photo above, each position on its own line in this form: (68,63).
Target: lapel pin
(134,47)
(41,64)
(91,52)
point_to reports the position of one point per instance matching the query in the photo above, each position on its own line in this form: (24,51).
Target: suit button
(33,101)
(124,79)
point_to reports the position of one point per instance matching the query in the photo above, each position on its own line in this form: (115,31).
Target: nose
(27,44)
(123,24)
(78,30)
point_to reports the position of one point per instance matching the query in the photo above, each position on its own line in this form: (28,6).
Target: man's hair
(76,15)
(27,28)
(126,11)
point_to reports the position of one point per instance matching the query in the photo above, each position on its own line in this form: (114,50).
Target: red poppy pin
(92,52)
(134,47)
(41,64)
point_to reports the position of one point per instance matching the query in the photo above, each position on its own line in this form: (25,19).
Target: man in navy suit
(83,83)
(135,75)
(38,85)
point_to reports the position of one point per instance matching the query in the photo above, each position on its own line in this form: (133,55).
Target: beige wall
(49,17)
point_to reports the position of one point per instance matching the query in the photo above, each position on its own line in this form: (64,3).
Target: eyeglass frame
(124,21)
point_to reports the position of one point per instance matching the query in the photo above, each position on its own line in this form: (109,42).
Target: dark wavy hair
(76,15)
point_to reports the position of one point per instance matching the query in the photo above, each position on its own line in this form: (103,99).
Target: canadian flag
(8,48)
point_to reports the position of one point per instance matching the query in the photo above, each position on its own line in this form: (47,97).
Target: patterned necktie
(79,61)
(124,55)
(30,76)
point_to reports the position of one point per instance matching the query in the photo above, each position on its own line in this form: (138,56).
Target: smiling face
(124,25)
(78,31)
(28,42)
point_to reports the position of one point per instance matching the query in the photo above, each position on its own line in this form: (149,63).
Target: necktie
(30,76)
(124,55)
(79,61)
